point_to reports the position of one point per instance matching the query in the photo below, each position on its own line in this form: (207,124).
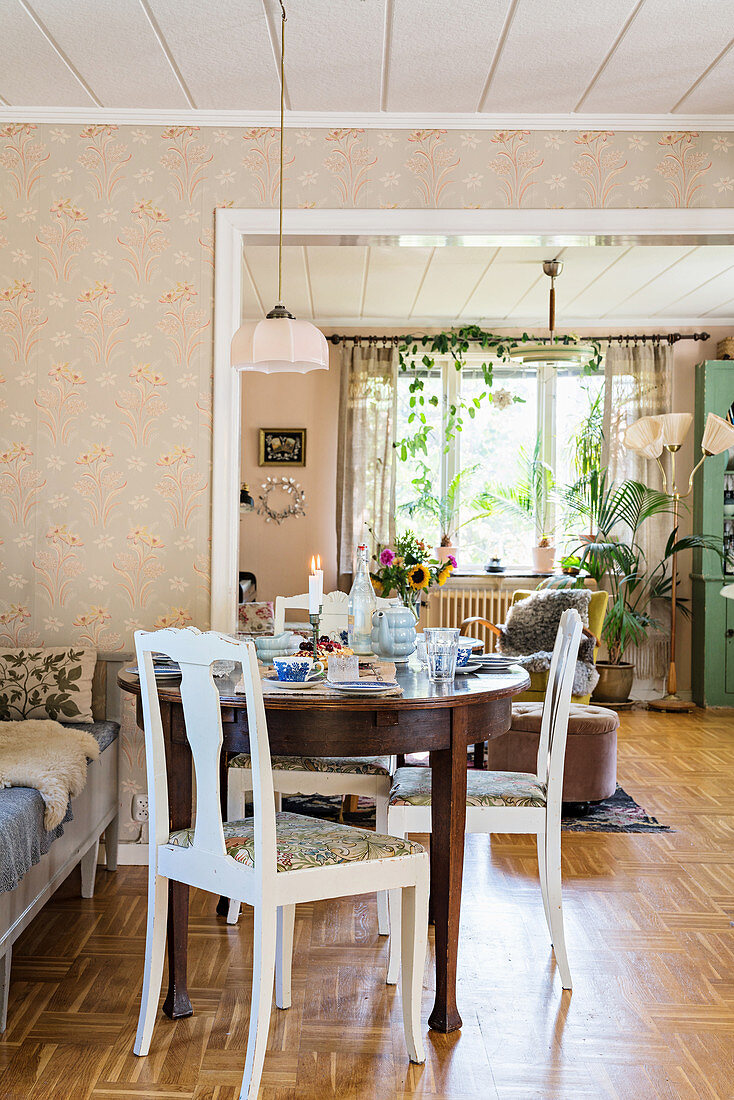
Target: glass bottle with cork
(362,604)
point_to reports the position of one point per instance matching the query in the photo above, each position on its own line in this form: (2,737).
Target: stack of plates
(495,662)
(164,668)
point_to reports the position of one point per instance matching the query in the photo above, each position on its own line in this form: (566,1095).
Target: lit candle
(320,575)
(314,599)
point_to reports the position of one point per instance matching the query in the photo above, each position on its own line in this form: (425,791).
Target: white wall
(279,554)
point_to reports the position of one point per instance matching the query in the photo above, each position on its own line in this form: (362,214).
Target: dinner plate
(295,685)
(161,673)
(497,662)
(364,687)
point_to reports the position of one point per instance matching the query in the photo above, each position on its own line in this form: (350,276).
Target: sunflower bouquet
(409,570)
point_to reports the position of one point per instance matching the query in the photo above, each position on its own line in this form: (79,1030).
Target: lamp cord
(280,183)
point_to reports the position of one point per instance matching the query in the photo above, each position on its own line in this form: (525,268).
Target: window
(492,447)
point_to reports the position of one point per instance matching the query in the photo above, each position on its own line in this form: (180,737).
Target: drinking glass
(343,668)
(442,647)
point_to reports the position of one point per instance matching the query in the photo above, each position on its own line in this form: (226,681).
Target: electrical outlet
(139,809)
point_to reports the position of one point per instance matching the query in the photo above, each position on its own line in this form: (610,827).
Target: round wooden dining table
(441,719)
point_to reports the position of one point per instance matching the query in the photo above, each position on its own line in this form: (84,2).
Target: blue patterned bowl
(293,670)
(463,655)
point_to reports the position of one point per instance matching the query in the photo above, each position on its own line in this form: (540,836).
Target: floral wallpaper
(106,270)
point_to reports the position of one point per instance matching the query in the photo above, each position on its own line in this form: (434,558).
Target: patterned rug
(618,814)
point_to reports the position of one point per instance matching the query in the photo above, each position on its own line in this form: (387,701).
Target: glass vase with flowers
(409,569)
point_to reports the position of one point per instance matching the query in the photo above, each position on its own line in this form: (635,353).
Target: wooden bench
(95,813)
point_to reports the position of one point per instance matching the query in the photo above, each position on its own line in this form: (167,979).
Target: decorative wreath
(296,506)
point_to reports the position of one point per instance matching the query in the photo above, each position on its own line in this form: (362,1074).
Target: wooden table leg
(223,903)
(447,865)
(178,765)
(177,1003)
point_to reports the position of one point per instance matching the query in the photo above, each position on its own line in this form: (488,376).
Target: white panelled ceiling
(600,285)
(509,57)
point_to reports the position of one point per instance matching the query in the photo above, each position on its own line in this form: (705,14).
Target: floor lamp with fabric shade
(650,437)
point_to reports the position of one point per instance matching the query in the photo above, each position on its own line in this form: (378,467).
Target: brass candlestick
(315,620)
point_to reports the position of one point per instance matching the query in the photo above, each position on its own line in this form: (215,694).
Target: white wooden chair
(370,776)
(270,861)
(509,802)
(334,610)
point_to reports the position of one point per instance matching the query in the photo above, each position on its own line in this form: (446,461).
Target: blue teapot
(393,633)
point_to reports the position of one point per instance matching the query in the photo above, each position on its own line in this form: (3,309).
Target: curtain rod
(655,339)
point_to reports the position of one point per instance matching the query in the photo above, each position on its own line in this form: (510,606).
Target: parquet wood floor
(650,930)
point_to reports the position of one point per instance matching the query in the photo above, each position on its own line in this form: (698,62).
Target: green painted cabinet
(713,614)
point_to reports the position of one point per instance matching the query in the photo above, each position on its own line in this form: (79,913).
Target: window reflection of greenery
(492,441)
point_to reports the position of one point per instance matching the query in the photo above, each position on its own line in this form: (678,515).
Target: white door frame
(483,228)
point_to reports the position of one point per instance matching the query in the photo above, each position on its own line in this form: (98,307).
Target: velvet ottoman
(590,772)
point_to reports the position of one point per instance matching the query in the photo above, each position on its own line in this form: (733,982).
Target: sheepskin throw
(531,628)
(48,756)
(47,683)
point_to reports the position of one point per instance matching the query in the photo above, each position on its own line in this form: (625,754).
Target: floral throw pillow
(46,683)
(256,618)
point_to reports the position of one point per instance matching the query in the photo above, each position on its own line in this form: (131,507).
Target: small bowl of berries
(326,647)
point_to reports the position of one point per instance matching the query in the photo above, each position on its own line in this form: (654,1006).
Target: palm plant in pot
(443,508)
(530,498)
(613,557)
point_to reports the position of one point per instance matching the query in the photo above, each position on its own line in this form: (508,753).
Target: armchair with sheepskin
(530,630)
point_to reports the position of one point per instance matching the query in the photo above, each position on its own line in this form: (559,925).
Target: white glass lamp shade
(645,437)
(718,435)
(278,345)
(544,352)
(675,427)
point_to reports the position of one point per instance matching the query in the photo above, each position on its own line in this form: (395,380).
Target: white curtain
(638,382)
(366,460)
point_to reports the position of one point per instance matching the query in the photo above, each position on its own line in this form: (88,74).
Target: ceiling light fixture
(550,351)
(279,343)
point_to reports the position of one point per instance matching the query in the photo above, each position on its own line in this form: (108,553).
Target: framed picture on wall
(282,447)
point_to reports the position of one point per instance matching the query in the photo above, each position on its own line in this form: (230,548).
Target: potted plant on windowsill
(444,509)
(530,498)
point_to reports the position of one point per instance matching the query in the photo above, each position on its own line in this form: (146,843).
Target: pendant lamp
(542,351)
(280,342)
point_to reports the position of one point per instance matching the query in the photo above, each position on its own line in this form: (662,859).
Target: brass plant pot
(615,682)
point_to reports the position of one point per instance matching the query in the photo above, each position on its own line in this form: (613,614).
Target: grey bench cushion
(23,839)
(105,732)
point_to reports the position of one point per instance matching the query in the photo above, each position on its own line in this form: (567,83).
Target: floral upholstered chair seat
(304,842)
(345,765)
(412,787)
(255,617)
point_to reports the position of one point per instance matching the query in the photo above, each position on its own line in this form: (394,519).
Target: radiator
(449,606)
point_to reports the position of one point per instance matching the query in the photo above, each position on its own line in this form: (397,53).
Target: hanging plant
(456,342)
